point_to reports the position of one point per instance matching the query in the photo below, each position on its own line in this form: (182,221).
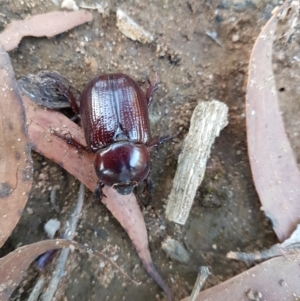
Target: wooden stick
(208,119)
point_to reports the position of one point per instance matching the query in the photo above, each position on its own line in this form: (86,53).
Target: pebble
(235,38)
(29,210)
(175,250)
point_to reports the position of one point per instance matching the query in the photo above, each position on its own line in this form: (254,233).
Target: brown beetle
(114,117)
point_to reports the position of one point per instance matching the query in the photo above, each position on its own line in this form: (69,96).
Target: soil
(192,67)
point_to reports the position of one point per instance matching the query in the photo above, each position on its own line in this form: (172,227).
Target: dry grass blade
(275,279)
(15,158)
(49,25)
(274,169)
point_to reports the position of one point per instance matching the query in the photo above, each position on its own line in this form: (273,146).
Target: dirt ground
(192,67)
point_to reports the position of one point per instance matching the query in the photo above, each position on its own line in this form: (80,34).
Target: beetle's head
(122,165)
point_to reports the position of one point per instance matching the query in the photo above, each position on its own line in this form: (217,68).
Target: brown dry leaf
(275,279)
(80,164)
(127,211)
(41,122)
(49,25)
(274,168)
(15,156)
(14,265)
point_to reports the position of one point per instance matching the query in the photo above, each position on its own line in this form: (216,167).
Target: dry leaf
(80,164)
(15,157)
(41,122)
(49,25)
(274,168)
(275,279)
(43,89)
(127,211)
(14,265)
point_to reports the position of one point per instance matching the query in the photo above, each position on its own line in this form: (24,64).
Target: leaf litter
(41,123)
(42,127)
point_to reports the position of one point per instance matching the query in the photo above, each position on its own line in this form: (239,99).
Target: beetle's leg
(148,185)
(71,141)
(146,191)
(68,94)
(151,89)
(158,141)
(98,194)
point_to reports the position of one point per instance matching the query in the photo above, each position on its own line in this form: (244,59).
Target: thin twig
(274,251)
(53,198)
(202,275)
(35,293)
(69,234)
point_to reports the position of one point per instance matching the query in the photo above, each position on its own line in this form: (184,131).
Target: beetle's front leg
(151,89)
(158,141)
(71,141)
(98,193)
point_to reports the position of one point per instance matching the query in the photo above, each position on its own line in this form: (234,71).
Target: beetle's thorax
(122,165)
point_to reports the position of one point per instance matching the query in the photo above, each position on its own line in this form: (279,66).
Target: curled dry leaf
(15,158)
(80,164)
(49,25)
(274,168)
(275,279)
(43,89)
(14,265)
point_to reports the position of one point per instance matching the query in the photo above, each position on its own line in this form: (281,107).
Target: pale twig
(274,251)
(202,275)
(34,295)
(290,246)
(69,234)
(53,198)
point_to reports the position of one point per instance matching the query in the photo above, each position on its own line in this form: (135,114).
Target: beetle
(115,120)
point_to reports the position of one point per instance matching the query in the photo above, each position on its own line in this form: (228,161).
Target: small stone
(29,210)
(131,29)
(235,38)
(102,264)
(115,258)
(51,227)
(175,250)
(70,5)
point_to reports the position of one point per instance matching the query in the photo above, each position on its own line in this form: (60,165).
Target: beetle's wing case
(98,116)
(133,108)
(113,107)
